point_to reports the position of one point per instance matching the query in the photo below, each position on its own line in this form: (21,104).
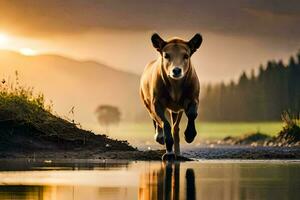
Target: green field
(143,132)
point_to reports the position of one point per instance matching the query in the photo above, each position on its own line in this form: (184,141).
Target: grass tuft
(290,134)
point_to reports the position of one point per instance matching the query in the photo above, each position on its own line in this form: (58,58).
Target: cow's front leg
(160,112)
(176,117)
(191,112)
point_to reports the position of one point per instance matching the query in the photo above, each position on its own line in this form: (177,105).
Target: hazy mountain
(68,82)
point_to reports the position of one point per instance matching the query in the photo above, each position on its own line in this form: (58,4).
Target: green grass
(223,129)
(144,132)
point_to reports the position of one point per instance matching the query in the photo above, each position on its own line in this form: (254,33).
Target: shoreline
(189,154)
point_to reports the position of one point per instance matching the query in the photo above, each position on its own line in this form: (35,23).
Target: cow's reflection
(164,183)
(190,184)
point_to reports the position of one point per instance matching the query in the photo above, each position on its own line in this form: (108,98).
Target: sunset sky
(238,35)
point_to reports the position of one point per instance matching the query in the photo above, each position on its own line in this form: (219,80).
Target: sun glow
(3,38)
(28,52)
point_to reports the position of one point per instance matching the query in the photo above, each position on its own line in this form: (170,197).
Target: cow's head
(176,54)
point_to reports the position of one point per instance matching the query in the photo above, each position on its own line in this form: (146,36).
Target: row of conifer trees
(261,97)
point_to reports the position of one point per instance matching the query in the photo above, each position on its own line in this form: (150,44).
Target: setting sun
(28,52)
(3,38)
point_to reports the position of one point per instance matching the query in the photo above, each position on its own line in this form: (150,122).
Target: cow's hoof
(159,138)
(189,135)
(169,157)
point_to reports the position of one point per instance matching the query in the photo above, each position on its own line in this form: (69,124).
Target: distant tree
(108,115)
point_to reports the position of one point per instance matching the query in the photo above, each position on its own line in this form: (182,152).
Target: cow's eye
(185,56)
(167,56)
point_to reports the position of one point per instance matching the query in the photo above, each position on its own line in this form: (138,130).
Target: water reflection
(151,180)
(190,184)
(65,193)
(164,183)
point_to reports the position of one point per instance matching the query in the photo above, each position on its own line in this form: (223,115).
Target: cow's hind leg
(160,112)
(176,117)
(190,131)
(159,134)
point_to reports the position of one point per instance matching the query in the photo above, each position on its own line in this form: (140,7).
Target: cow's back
(146,81)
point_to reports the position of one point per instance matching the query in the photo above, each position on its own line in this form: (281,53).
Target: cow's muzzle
(176,73)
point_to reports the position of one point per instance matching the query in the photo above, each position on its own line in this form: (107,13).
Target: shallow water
(90,179)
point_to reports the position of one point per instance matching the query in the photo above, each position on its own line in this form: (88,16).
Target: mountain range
(83,84)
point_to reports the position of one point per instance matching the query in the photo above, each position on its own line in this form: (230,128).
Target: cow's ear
(157,42)
(195,43)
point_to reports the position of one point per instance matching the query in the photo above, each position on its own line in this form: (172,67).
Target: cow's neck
(175,89)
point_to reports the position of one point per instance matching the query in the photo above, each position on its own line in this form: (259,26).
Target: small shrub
(290,135)
(290,119)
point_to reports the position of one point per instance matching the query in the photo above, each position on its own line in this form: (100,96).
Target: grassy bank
(28,125)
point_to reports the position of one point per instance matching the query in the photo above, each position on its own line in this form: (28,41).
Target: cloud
(270,18)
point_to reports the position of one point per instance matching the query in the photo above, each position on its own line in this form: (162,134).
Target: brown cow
(170,83)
